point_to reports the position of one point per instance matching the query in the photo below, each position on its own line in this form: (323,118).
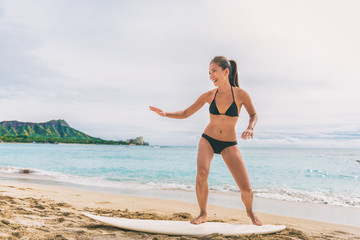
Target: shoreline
(304,210)
(106,203)
(60,143)
(194,146)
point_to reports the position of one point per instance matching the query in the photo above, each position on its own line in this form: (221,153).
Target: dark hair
(224,63)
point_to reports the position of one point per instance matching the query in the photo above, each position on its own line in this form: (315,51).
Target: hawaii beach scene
(203,119)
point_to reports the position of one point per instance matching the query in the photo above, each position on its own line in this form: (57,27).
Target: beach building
(137,141)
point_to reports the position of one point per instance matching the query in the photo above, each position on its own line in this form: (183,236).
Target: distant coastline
(64,143)
(53,132)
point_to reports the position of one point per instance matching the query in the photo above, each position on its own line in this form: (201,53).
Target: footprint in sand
(103,202)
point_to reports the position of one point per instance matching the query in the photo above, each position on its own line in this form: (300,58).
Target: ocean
(323,176)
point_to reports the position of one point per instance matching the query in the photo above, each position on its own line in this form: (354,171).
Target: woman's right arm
(187,112)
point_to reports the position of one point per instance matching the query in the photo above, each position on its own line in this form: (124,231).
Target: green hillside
(53,131)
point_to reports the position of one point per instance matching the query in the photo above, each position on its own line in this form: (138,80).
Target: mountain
(51,131)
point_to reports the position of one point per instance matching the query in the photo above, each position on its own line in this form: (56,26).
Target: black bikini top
(231,112)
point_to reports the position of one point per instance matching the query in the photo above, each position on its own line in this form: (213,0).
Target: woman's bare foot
(255,220)
(199,219)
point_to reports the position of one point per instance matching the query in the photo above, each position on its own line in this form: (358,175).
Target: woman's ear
(227,72)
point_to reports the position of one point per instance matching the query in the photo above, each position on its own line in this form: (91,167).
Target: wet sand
(34,211)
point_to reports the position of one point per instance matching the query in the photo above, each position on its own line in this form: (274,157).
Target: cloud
(99,65)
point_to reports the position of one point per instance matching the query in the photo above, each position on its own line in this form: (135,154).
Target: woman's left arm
(246,100)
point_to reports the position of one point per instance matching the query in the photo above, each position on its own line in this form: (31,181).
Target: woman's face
(217,75)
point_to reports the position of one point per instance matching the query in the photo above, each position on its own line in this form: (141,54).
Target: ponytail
(233,76)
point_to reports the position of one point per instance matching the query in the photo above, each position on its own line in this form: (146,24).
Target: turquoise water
(326,176)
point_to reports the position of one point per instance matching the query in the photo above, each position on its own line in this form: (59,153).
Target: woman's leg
(234,162)
(204,157)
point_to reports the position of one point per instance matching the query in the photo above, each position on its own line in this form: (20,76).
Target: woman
(219,136)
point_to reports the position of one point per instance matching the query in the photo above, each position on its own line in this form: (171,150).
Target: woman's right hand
(158,111)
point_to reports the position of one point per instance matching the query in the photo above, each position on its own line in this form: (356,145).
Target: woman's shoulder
(210,92)
(208,95)
(240,92)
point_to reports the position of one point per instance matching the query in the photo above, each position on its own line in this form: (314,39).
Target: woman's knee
(247,191)
(202,173)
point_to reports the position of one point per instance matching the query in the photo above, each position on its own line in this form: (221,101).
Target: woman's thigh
(204,156)
(234,161)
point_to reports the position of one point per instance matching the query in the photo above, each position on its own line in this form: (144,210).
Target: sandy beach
(37,211)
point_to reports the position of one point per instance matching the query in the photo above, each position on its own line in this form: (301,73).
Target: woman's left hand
(247,134)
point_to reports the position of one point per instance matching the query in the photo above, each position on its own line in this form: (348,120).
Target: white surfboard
(185,227)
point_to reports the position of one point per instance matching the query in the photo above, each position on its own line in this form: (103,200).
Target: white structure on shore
(137,141)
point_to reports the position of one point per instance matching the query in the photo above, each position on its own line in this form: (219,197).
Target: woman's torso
(222,127)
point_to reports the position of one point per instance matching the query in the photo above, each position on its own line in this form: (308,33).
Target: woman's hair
(224,63)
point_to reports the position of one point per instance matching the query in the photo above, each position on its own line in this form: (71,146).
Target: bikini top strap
(232,93)
(216,93)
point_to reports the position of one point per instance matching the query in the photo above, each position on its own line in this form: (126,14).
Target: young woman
(219,136)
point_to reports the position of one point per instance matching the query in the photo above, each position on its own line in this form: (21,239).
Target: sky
(99,65)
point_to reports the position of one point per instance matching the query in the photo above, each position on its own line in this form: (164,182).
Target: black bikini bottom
(218,145)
